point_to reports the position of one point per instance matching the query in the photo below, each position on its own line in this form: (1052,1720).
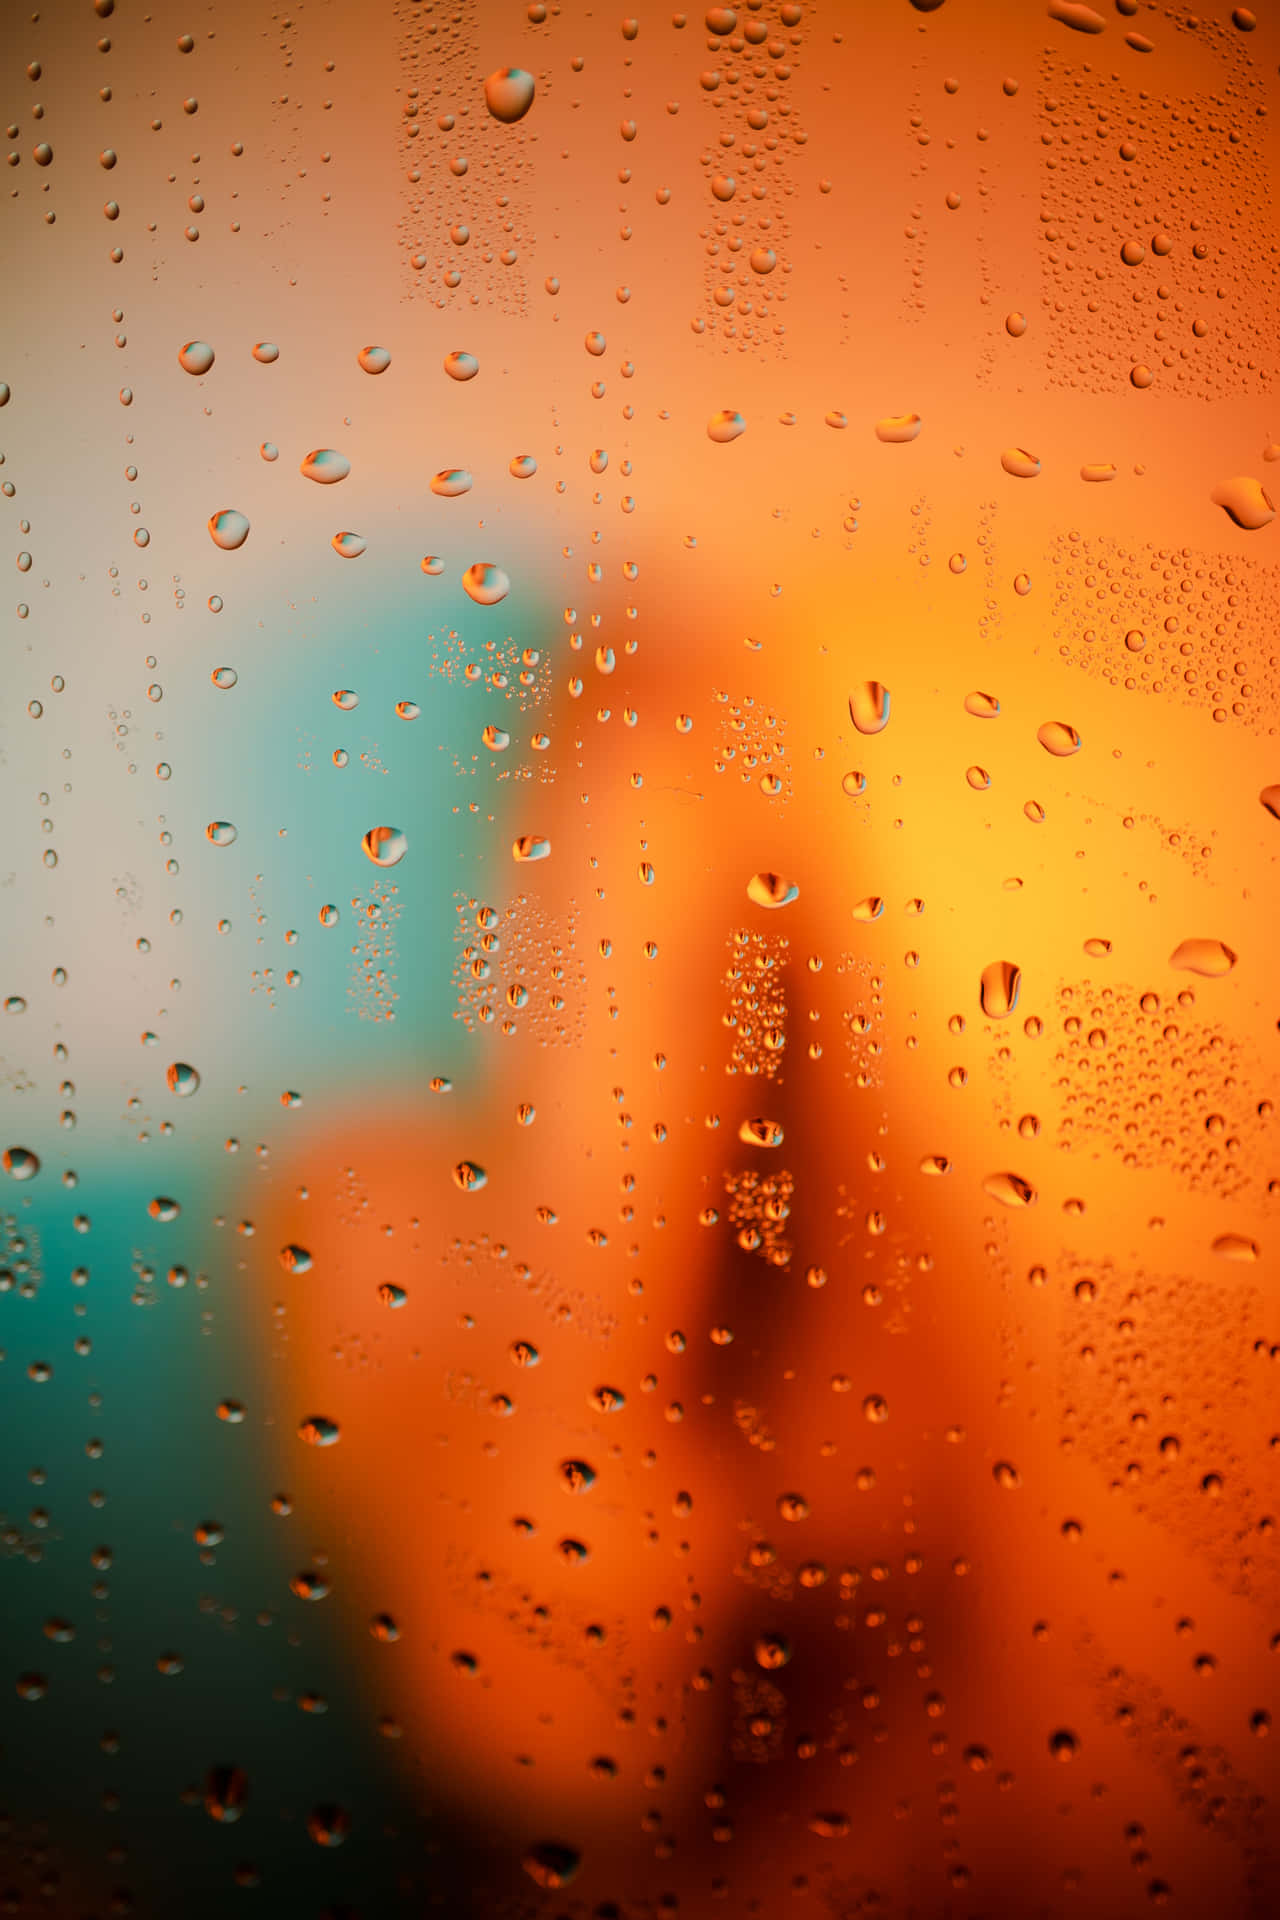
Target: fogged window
(639,740)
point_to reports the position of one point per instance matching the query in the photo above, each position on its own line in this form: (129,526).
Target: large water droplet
(1010,1189)
(228,529)
(182,1079)
(461,366)
(1270,798)
(998,989)
(385,846)
(508,94)
(1236,1246)
(485,583)
(325,466)
(983,706)
(1020,464)
(196,357)
(897,428)
(374,359)
(224,678)
(349,546)
(725,426)
(296,1259)
(551,1863)
(869,707)
(469,1177)
(221,833)
(771,890)
(530,846)
(450,482)
(1246,502)
(319,1431)
(761,1133)
(1056,737)
(20,1163)
(1209,958)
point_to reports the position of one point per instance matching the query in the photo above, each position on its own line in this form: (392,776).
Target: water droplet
(935,1164)
(266,353)
(221,833)
(225,1791)
(1020,464)
(346,698)
(163,1209)
(374,359)
(1006,1475)
(432,563)
(508,94)
(1070,13)
(325,466)
(228,529)
(496,738)
(450,482)
(983,706)
(998,989)
(869,909)
(296,1259)
(551,1864)
(1015,324)
(328,1826)
(978,778)
(224,678)
(485,583)
(469,1177)
(854,783)
(760,1133)
(461,366)
(725,426)
(182,1080)
(1270,798)
(196,357)
(20,1163)
(349,546)
(1097,949)
(1010,1189)
(530,846)
(1209,958)
(576,1476)
(407,709)
(1246,502)
(869,707)
(523,466)
(1059,739)
(1236,1246)
(771,890)
(385,846)
(772,1650)
(319,1431)
(896,429)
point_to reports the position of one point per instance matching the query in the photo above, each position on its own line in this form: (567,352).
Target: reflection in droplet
(325,466)
(228,529)
(1010,1189)
(771,890)
(869,707)
(1209,958)
(485,583)
(725,426)
(1059,739)
(385,846)
(998,989)
(508,94)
